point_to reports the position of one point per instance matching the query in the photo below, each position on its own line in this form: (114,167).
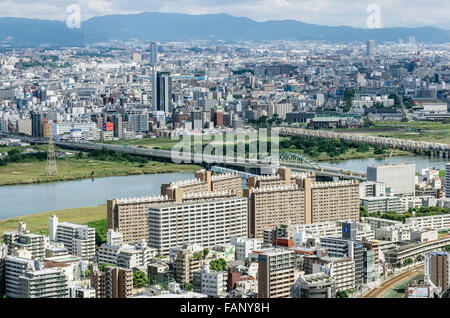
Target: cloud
(407,13)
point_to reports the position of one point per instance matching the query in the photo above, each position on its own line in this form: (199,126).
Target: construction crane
(392,152)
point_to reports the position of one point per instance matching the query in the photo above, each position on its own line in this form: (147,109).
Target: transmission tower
(51,169)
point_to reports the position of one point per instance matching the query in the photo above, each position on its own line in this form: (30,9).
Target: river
(20,200)
(34,198)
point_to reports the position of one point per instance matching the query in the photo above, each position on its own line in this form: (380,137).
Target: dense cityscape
(340,187)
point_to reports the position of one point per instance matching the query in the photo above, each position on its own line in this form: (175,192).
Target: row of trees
(16,155)
(108,155)
(313,147)
(395,216)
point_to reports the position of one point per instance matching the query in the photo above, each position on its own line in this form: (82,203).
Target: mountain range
(165,27)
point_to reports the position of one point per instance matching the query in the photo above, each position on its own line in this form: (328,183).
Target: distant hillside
(177,27)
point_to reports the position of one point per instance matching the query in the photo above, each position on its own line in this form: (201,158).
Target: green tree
(187,286)
(218,264)
(342,294)
(140,279)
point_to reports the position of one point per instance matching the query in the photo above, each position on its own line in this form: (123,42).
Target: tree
(419,258)
(140,279)
(218,264)
(342,294)
(205,253)
(187,286)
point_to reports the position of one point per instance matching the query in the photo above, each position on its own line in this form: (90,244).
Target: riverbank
(78,169)
(39,222)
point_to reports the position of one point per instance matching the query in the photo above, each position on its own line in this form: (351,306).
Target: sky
(393,13)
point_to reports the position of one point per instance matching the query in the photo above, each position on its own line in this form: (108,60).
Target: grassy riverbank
(75,169)
(38,223)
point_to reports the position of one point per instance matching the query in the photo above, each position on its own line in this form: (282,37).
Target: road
(390,283)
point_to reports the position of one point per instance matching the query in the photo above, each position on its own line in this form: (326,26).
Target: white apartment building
(437,222)
(372,189)
(383,204)
(342,270)
(125,255)
(209,282)
(206,222)
(78,239)
(44,283)
(244,246)
(15,266)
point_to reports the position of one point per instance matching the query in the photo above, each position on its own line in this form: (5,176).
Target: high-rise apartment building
(275,273)
(78,239)
(131,216)
(207,222)
(164,92)
(437,270)
(15,266)
(299,199)
(36,124)
(447,180)
(44,283)
(23,239)
(118,126)
(112,282)
(187,262)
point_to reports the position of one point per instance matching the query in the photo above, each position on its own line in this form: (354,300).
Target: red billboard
(108,127)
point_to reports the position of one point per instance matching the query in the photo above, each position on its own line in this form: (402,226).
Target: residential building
(210,282)
(244,246)
(206,222)
(44,283)
(318,285)
(78,239)
(23,239)
(437,270)
(275,273)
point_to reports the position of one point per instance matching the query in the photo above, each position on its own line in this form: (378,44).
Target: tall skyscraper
(154,64)
(164,92)
(370,47)
(36,124)
(447,180)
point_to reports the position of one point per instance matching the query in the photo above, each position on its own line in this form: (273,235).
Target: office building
(78,239)
(400,179)
(275,273)
(317,285)
(437,270)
